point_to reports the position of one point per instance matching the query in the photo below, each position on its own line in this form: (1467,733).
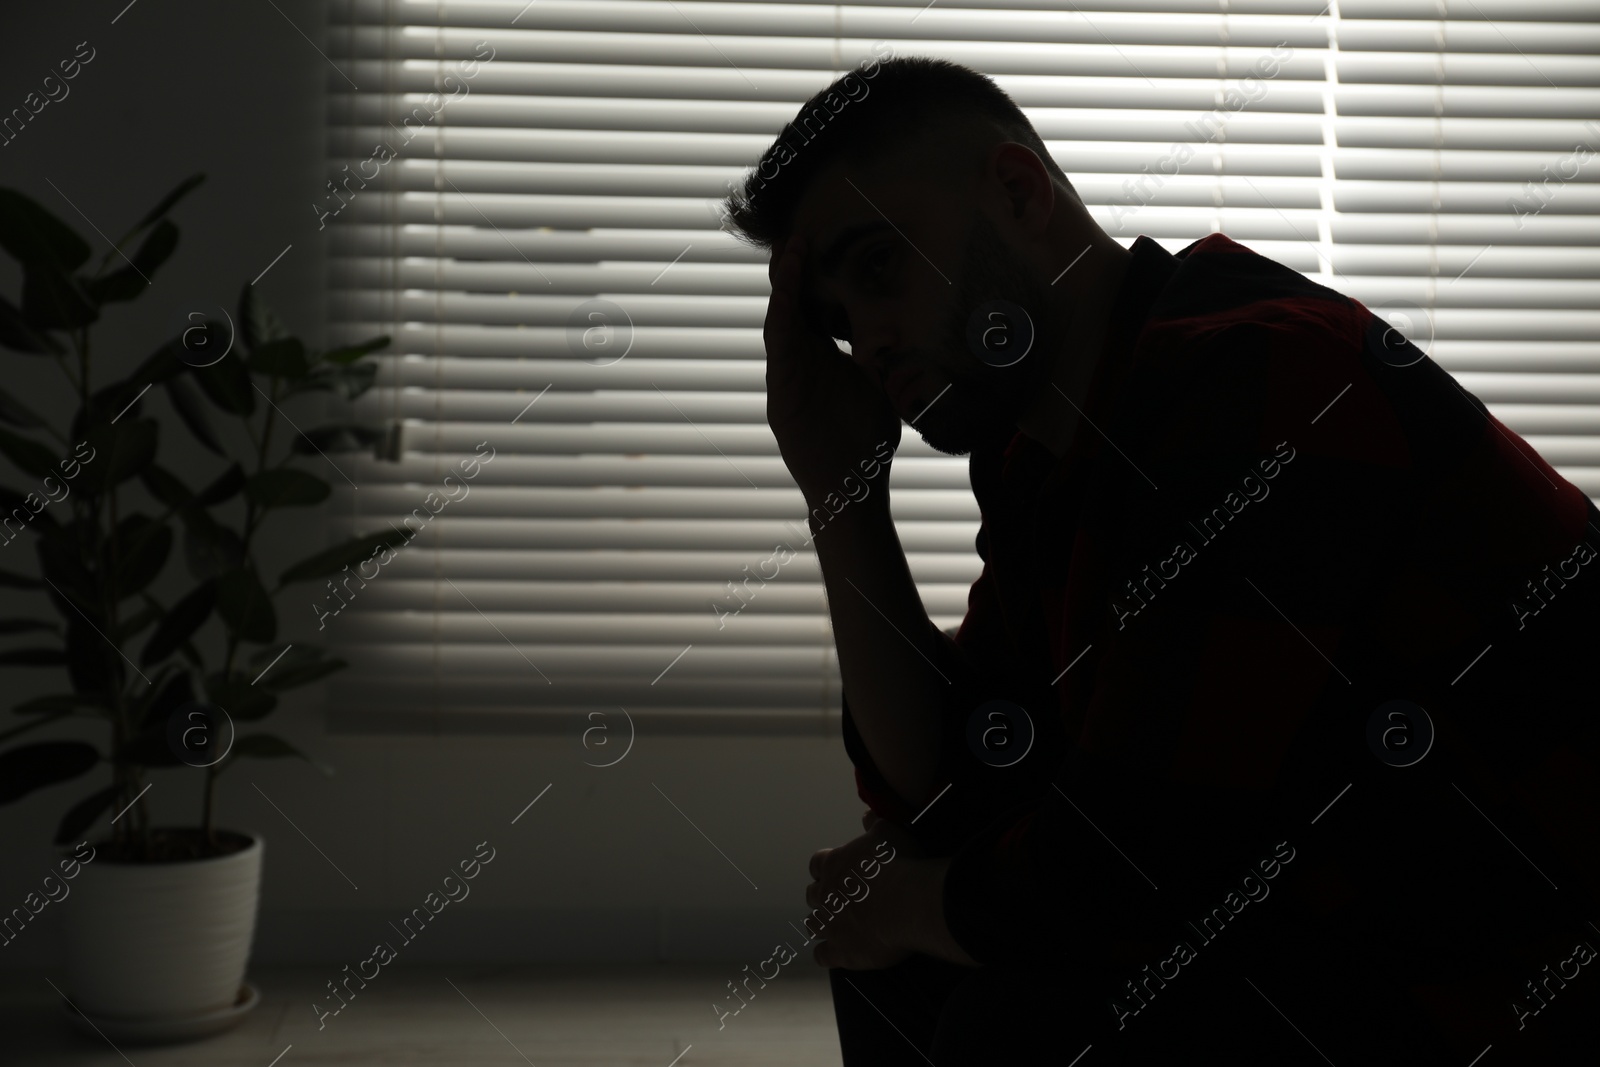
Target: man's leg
(1016,1017)
(927,1010)
(888,1017)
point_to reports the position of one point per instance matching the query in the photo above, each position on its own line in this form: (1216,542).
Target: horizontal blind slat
(1433,169)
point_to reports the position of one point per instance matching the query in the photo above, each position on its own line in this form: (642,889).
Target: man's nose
(872,349)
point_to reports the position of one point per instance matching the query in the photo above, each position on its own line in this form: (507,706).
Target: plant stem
(89,537)
(66,369)
(38,721)
(207,816)
(83,366)
(252,519)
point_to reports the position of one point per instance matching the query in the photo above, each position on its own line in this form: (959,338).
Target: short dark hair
(905,98)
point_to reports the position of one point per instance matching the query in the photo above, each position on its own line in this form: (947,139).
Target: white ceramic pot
(161,941)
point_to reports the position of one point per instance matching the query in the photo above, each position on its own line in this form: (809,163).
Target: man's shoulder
(991,456)
(1242,355)
(1222,286)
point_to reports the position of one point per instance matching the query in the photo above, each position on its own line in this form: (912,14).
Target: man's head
(924,195)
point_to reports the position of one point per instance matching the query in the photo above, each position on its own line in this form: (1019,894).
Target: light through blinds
(524,196)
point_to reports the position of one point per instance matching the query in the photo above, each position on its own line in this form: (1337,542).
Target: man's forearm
(886,642)
(920,919)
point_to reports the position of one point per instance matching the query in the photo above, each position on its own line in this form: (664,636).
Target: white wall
(602,867)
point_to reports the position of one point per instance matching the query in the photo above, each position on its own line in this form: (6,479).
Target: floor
(548,1016)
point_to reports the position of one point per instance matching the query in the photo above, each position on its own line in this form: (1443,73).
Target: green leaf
(32,657)
(23,516)
(341,438)
(136,554)
(228,483)
(17,413)
(82,815)
(258,323)
(54,704)
(124,284)
(171,199)
(165,486)
(29,455)
(296,665)
(166,361)
(286,487)
(348,382)
(265,746)
(33,235)
(134,624)
(164,696)
(187,404)
(151,747)
(121,451)
(285,358)
(180,623)
(34,723)
(17,335)
(20,626)
(168,739)
(28,767)
(61,564)
(351,353)
(209,548)
(241,700)
(281,677)
(53,299)
(13,580)
(133,279)
(335,559)
(119,401)
(245,606)
(227,383)
(157,248)
(93,665)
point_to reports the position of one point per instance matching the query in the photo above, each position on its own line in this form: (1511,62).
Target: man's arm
(829,417)
(888,647)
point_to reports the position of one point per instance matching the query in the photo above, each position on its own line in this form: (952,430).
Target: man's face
(902,290)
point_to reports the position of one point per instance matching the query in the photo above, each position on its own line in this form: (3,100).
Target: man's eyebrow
(828,262)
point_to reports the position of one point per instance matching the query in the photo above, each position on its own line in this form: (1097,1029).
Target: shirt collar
(1149,270)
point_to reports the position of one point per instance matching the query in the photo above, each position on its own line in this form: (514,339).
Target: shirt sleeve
(976,775)
(1248,608)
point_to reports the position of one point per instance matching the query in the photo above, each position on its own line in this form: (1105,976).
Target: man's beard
(983,403)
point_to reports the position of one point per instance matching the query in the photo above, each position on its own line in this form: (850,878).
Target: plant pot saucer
(172,1028)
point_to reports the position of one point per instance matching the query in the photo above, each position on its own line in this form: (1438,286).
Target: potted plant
(159,932)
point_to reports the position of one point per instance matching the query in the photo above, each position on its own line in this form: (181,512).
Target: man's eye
(876,262)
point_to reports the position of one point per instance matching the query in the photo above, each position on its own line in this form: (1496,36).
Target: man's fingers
(816,862)
(784,272)
(781,327)
(779,250)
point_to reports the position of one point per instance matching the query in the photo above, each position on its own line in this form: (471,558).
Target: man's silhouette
(1268,731)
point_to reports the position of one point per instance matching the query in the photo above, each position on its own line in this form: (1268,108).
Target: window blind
(495,168)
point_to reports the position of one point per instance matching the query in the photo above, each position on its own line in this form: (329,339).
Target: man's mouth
(899,385)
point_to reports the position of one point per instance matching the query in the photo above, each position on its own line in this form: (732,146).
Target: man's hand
(829,415)
(879,902)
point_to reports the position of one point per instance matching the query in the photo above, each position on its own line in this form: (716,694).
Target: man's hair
(861,118)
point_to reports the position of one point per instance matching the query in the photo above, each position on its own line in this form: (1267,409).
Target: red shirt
(1280,519)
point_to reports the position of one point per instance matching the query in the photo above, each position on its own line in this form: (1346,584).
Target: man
(1267,731)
